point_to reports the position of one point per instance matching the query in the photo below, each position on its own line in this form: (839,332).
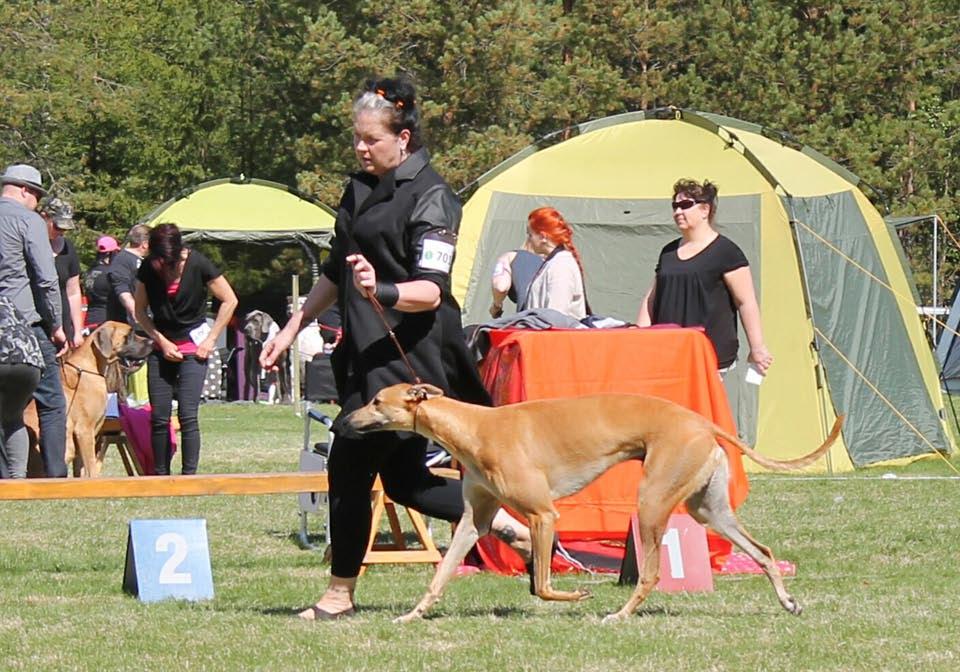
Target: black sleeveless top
(691,292)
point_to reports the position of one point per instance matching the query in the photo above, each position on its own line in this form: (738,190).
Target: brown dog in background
(88,374)
(527,455)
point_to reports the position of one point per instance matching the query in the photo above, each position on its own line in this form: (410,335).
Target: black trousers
(184,380)
(17,383)
(352,469)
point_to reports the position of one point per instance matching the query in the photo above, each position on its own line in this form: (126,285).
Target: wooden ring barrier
(238,484)
(163,486)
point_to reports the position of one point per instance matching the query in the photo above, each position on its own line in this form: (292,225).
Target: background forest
(123,103)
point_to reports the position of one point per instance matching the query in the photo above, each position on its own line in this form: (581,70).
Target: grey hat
(25,176)
(59,211)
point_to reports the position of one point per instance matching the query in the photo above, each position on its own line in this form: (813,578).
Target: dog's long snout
(343,426)
(353,425)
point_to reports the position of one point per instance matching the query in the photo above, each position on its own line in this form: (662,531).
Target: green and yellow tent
(242,209)
(837,305)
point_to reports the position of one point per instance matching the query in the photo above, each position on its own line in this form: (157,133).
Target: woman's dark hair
(705,192)
(166,244)
(397,99)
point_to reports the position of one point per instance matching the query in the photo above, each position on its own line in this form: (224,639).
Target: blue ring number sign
(168,559)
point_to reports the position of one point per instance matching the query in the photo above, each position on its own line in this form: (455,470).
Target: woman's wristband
(387,293)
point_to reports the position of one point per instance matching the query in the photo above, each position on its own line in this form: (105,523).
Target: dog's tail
(784,465)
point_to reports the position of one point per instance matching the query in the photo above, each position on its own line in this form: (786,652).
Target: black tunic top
(691,292)
(405,224)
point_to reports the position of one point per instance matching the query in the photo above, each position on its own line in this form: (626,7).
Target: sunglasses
(685,203)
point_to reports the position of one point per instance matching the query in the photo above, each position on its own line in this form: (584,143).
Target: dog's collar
(80,369)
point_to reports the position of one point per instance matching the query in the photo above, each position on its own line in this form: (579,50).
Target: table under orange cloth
(672,363)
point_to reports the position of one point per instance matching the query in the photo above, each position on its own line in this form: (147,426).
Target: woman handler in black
(395,236)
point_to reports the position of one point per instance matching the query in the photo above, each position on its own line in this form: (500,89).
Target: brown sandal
(324,615)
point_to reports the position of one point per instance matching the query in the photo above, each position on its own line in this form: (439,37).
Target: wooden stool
(396,550)
(111,434)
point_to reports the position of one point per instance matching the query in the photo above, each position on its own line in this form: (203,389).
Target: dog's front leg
(86,449)
(479,509)
(541,532)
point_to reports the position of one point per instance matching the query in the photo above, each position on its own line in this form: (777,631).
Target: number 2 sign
(168,559)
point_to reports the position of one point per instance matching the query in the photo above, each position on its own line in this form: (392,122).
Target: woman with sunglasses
(703,279)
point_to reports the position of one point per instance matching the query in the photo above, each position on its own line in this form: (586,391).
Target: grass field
(877,575)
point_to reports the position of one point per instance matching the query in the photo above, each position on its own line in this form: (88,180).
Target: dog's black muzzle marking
(349,426)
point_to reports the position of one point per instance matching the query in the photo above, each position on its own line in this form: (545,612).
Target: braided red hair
(550,223)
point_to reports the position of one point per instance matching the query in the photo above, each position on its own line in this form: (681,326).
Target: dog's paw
(613,618)
(793,606)
(407,618)
(583,594)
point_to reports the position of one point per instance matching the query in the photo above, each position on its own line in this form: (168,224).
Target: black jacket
(405,224)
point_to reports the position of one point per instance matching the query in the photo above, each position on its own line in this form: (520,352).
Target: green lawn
(877,575)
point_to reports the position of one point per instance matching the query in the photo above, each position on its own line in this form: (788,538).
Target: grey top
(523,269)
(28,276)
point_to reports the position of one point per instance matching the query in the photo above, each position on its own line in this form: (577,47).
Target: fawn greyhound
(526,455)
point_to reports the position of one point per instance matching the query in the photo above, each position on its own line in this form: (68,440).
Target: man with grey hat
(58,214)
(28,277)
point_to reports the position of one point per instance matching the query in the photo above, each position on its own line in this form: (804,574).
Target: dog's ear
(423,391)
(103,341)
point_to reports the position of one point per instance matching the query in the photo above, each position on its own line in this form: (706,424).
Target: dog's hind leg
(479,509)
(652,523)
(542,527)
(711,507)
(662,487)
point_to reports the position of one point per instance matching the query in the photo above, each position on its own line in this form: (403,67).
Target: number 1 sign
(168,559)
(684,557)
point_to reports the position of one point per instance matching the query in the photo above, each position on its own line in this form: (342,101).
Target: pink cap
(107,244)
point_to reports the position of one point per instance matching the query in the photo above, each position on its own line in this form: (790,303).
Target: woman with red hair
(559,282)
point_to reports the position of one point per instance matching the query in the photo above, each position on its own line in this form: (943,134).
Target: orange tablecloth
(672,363)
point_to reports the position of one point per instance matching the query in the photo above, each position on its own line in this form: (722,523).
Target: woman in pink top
(175,282)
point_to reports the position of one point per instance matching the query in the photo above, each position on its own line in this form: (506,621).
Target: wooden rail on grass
(176,486)
(238,484)
(163,486)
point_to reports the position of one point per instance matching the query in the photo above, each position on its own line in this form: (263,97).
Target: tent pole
(295,346)
(314,264)
(933,322)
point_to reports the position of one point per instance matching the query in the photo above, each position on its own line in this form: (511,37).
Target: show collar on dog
(80,371)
